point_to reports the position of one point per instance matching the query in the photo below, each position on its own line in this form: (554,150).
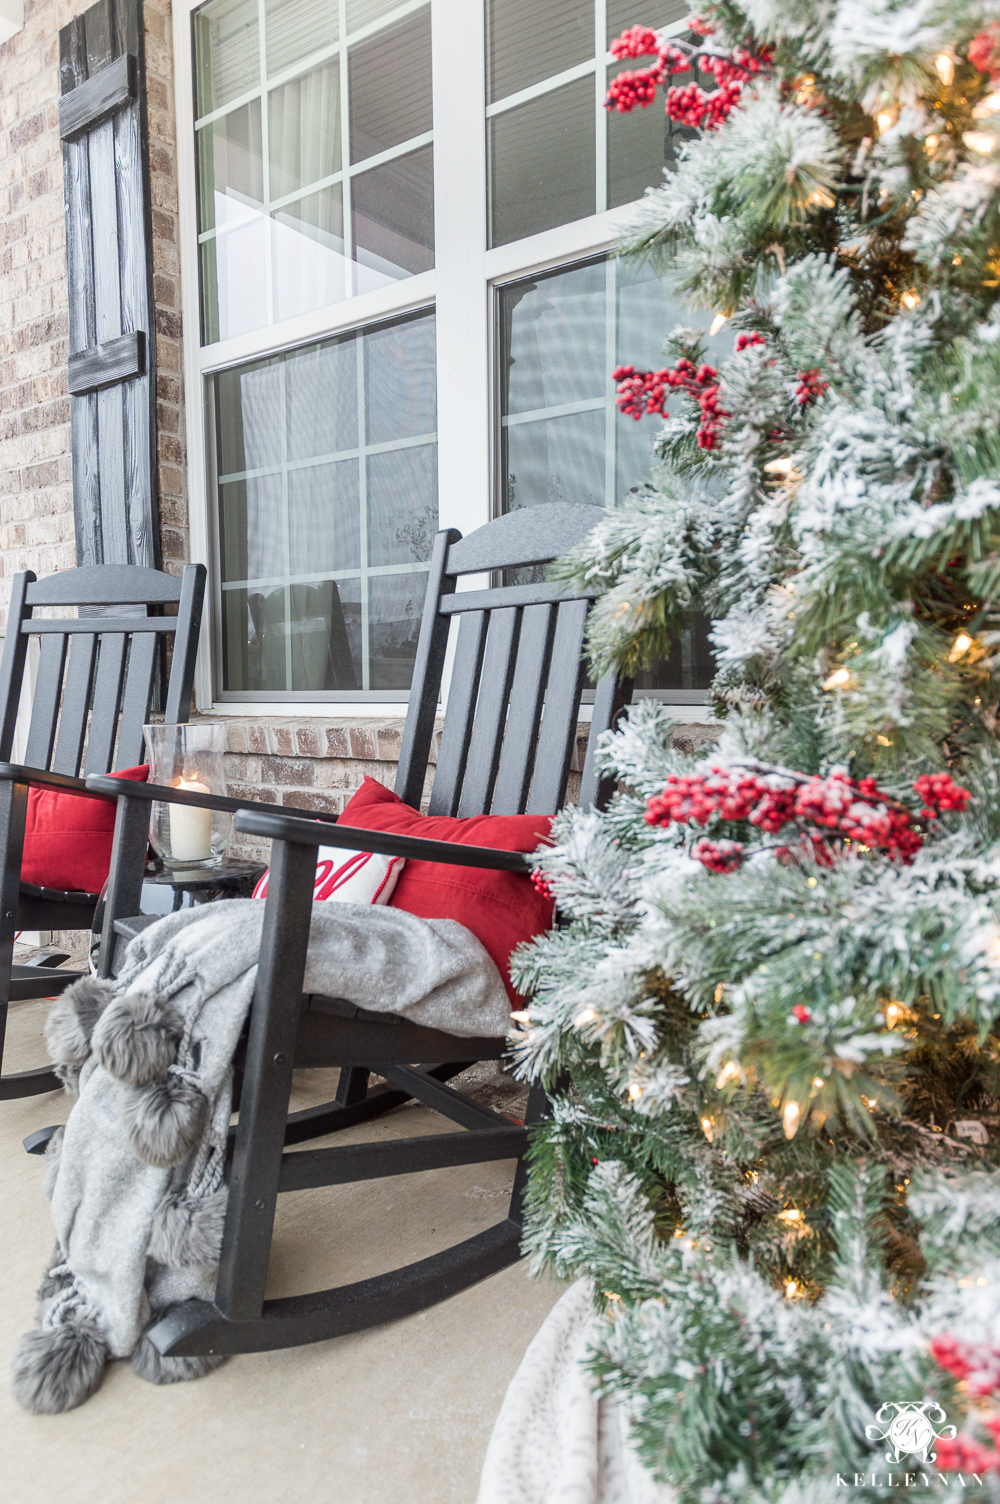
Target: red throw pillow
(68,837)
(500,908)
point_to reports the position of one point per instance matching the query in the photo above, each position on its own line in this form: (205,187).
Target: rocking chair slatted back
(96,672)
(517,676)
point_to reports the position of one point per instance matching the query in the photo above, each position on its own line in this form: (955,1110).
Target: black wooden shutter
(112,361)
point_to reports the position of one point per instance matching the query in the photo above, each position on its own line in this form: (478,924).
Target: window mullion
(350,271)
(464,438)
(600,86)
(265,152)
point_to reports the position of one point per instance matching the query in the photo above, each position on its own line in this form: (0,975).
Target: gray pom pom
(53,1154)
(165,1120)
(187,1230)
(152,1366)
(69,1075)
(136,1038)
(59,1369)
(72,1018)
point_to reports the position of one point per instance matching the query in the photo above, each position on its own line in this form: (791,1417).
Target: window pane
(297,28)
(310,267)
(554,339)
(527,41)
(304,130)
(390,87)
(395,602)
(402,504)
(400,381)
(364,12)
(561,436)
(324,528)
(392,215)
(226,53)
(324,524)
(230,167)
(321,386)
(625,13)
(234,281)
(555,459)
(541,163)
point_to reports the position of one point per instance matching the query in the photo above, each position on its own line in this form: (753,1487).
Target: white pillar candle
(190,829)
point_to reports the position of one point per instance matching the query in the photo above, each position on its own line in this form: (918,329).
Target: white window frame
(460,289)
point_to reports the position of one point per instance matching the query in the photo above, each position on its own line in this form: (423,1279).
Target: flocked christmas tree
(772,1016)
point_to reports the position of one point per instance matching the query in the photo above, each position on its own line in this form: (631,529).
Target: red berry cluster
(718,856)
(810,388)
(964,1454)
(738,66)
(975,1364)
(747,341)
(641,392)
(835,808)
(690,105)
(541,886)
(633,88)
(801,1013)
(939,791)
(984,50)
(638,41)
(834,802)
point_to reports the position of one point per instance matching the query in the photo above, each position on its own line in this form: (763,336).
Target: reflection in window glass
(327,509)
(300,154)
(541,163)
(294,212)
(554,153)
(384,116)
(296,29)
(561,436)
(531,40)
(393,219)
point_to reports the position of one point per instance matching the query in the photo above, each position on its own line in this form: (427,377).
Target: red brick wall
(317,764)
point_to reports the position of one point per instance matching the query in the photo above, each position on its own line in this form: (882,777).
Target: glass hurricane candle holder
(188,757)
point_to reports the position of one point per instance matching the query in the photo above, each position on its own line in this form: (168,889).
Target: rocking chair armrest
(14,772)
(303,832)
(108,784)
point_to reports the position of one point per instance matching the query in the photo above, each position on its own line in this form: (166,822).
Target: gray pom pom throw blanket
(136,1178)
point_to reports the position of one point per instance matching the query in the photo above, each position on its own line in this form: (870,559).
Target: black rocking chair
(93,691)
(506,748)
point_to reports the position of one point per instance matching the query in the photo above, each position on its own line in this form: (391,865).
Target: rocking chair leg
(13,812)
(352,1086)
(274,1018)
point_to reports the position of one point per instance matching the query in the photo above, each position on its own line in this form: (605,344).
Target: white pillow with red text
(349,876)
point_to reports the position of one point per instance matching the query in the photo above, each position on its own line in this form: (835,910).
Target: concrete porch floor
(400,1414)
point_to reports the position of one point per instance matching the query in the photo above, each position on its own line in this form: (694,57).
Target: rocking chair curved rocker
(506,748)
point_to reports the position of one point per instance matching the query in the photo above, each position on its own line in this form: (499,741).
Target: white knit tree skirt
(554,1442)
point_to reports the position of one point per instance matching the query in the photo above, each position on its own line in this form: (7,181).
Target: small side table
(165,890)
